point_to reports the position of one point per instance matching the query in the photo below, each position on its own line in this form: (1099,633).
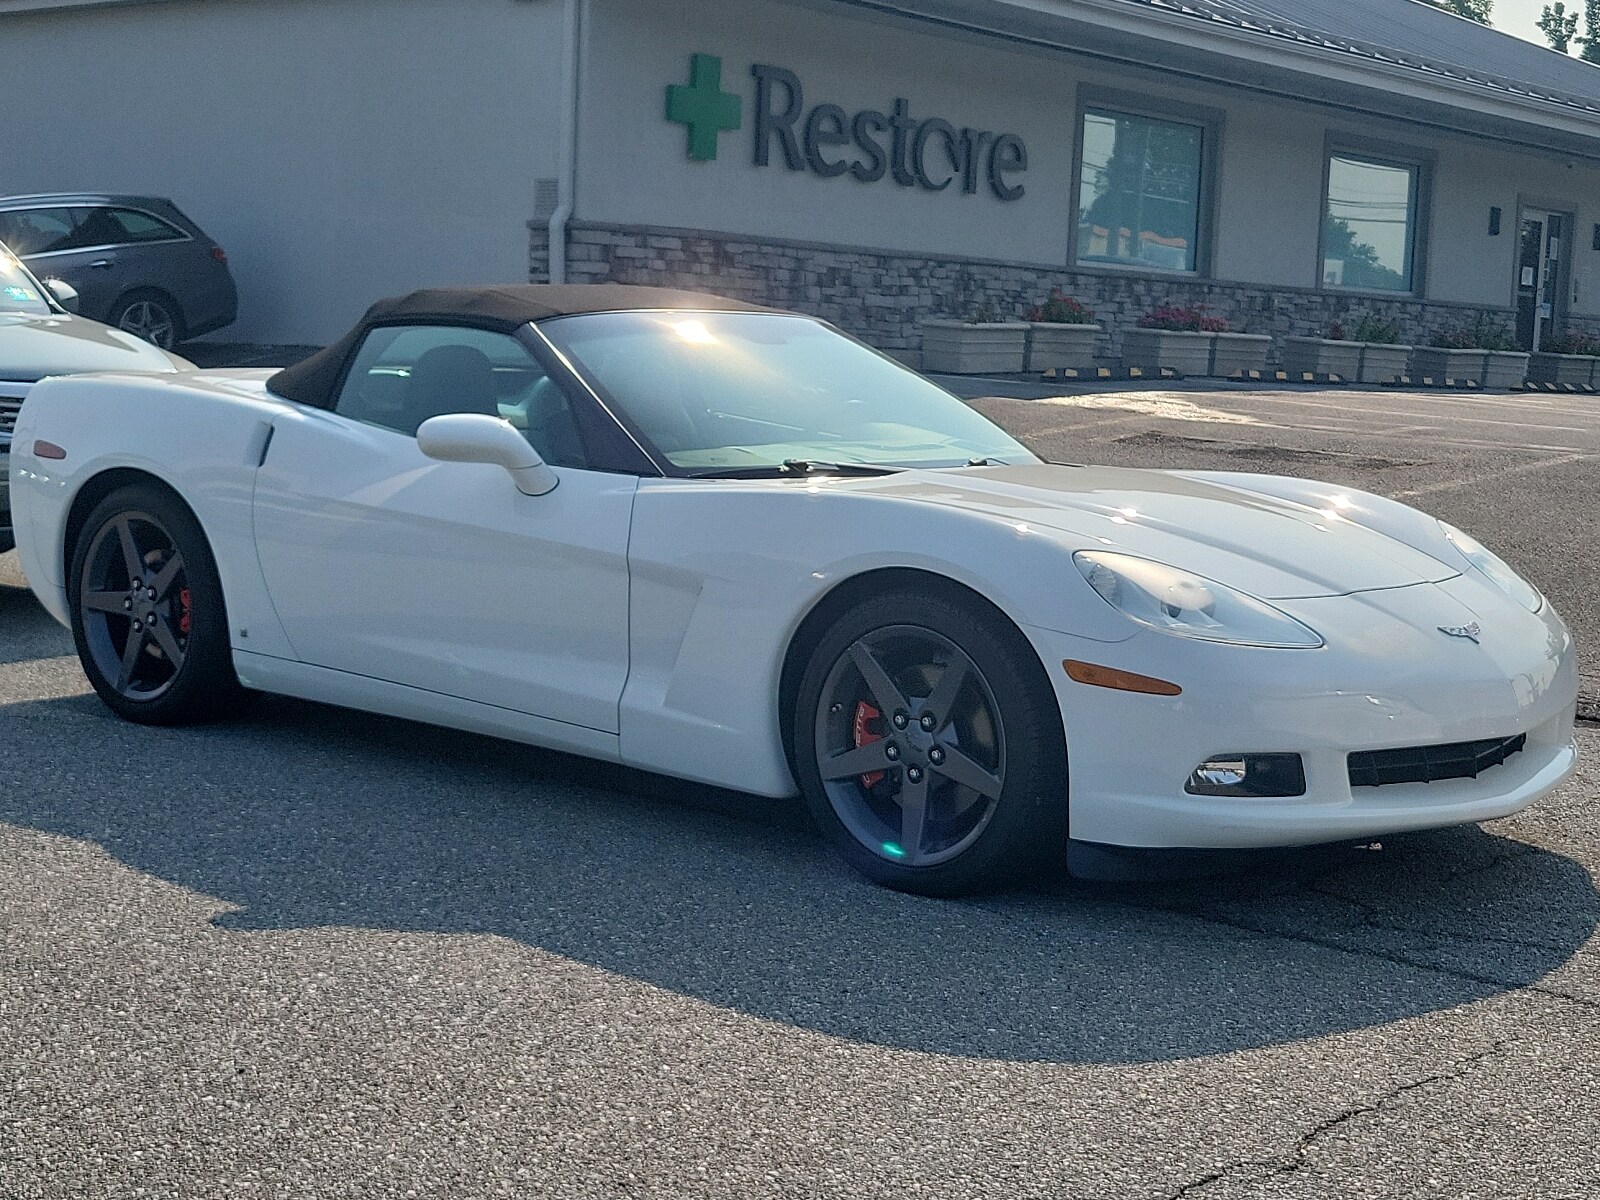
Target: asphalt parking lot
(316,953)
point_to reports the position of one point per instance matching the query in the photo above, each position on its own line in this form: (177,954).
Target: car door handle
(102,264)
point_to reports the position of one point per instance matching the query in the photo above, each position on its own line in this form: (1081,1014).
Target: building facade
(877,163)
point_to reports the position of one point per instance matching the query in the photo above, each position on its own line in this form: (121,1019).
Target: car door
(49,240)
(443,576)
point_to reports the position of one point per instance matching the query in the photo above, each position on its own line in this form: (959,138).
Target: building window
(1369,224)
(1139,195)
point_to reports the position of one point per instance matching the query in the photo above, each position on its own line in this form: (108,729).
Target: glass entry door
(1541,295)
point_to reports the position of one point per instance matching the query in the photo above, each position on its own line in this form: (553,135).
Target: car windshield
(740,391)
(19,291)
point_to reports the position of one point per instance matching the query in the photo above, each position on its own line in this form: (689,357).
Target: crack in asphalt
(1369,952)
(1294,1159)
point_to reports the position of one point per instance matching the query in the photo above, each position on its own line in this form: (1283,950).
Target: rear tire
(943,741)
(148,615)
(151,315)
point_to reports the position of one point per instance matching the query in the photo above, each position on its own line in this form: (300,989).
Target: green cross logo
(704,107)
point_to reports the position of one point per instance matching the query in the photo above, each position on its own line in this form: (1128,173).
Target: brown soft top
(315,381)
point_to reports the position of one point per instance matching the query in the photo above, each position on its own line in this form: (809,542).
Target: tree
(1559,26)
(1359,266)
(1472,10)
(1591,32)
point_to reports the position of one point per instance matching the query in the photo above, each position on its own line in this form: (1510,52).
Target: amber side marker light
(1122,681)
(48,450)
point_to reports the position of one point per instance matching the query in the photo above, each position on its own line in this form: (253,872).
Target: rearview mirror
(479,438)
(66,295)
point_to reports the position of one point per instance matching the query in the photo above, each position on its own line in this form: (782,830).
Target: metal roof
(1412,35)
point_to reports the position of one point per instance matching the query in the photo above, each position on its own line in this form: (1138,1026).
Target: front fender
(722,576)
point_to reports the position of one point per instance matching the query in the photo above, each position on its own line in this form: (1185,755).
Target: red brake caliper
(185,614)
(866,714)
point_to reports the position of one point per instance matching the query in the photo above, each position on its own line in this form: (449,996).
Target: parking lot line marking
(1369,412)
(1449,485)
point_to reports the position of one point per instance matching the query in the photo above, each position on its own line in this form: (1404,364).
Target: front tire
(929,746)
(148,614)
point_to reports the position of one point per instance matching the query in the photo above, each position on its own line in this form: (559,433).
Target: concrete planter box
(1381,362)
(1432,362)
(1505,369)
(1153,349)
(1561,368)
(960,348)
(1232,353)
(1322,356)
(1053,345)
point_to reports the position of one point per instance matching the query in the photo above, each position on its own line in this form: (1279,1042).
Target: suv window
(403,375)
(36,230)
(120,227)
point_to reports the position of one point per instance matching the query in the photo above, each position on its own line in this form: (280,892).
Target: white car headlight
(1494,568)
(1189,605)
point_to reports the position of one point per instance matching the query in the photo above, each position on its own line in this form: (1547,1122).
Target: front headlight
(1175,601)
(1494,568)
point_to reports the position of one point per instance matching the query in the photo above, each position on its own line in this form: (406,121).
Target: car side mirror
(66,295)
(479,438)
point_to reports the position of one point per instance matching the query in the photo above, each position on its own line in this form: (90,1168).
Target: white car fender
(201,435)
(724,574)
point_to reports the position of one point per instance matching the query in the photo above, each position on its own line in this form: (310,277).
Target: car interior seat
(451,379)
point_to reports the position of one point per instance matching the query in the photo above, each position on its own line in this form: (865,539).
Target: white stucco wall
(633,166)
(339,149)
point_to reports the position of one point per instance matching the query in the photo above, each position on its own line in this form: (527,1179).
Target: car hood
(1271,547)
(32,347)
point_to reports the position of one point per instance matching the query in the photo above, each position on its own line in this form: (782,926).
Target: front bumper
(1388,678)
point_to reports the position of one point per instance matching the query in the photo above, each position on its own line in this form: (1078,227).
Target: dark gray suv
(137,262)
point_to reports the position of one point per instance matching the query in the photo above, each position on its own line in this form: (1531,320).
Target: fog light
(1248,775)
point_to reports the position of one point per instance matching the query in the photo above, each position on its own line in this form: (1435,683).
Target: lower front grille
(1429,764)
(10,405)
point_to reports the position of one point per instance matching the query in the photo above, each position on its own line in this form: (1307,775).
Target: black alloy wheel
(929,746)
(147,611)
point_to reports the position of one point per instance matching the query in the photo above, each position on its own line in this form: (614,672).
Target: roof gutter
(567,174)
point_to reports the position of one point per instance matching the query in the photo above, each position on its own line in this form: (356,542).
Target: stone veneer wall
(883,296)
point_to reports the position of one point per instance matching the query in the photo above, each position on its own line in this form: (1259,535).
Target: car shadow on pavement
(27,632)
(303,816)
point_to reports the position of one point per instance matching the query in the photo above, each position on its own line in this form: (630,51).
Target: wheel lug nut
(128,604)
(928,722)
(892,753)
(936,756)
(137,626)
(151,593)
(901,720)
(914,774)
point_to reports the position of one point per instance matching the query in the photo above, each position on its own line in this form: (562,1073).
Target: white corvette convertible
(733,545)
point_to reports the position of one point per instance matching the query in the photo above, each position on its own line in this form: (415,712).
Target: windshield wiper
(793,467)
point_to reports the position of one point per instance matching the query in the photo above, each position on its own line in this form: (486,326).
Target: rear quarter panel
(200,434)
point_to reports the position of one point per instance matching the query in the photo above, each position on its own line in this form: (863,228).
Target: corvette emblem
(1470,632)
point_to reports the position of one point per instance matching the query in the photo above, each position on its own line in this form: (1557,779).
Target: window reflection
(1139,200)
(1367,231)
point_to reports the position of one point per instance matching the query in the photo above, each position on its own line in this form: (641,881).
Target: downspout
(567,175)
